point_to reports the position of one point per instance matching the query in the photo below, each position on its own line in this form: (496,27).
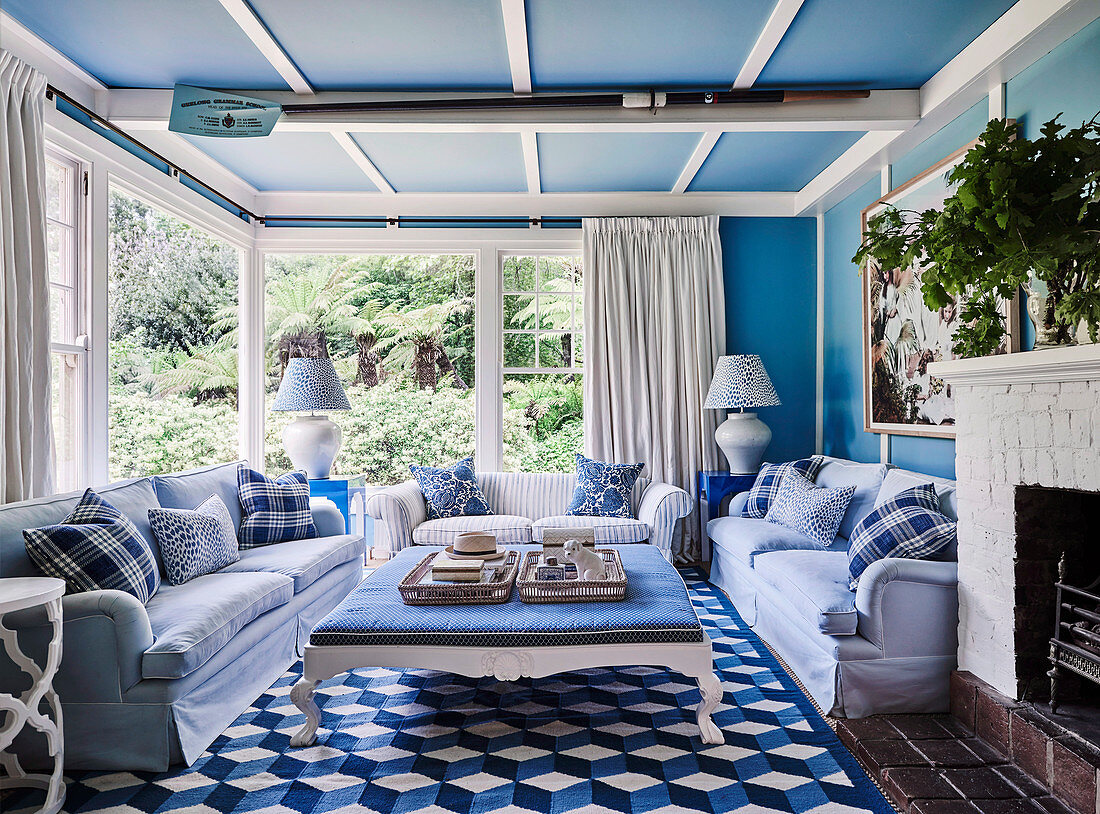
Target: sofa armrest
(399,509)
(909,607)
(662,505)
(326,517)
(105,634)
(737,504)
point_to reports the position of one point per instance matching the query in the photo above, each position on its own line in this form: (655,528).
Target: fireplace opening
(1053,526)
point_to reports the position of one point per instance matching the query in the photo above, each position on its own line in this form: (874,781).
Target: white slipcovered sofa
(887,647)
(524,504)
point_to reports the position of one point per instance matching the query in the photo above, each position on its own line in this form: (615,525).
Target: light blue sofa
(887,647)
(143,687)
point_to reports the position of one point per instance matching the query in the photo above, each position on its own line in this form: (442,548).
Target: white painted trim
(350,240)
(819,361)
(997,100)
(530,141)
(695,161)
(363,162)
(1072,364)
(488,361)
(96,445)
(861,155)
(254,28)
(60,71)
(251,403)
(149,109)
(179,150)
(515,35)
(522,204)
(885,184)
(772,34)
(884,448)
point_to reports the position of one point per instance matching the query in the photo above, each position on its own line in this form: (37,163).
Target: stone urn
(1050,332)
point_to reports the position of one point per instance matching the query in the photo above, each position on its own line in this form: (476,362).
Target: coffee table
(655,625)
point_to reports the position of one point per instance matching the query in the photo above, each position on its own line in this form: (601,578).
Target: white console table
(21,593)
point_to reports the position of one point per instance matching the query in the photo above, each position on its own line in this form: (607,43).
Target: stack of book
(445,569)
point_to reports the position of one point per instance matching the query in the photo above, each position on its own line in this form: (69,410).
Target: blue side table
(336,490)
(714,488)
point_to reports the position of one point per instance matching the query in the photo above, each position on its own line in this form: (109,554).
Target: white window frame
(538,332)
(78,289)
(488,246)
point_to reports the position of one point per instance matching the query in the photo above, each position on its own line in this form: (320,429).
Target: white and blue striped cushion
(814,511)
(609,530)
(275,511)
(508,529)
(908,525)
(766,487)
(95,548)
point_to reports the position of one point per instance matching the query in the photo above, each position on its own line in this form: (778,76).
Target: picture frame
(901,335)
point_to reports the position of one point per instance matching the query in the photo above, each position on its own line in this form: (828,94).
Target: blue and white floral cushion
(603,490)
(766,486)
(811,510)
(908,525)
(451,491)
(195,541)
(95,548)
(275,511)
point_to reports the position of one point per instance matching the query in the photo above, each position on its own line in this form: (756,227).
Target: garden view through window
(172,358)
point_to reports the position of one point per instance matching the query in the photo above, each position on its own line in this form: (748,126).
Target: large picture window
(543,354)
(400,330)
(173,338)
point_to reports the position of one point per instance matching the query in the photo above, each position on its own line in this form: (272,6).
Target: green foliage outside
(398,328)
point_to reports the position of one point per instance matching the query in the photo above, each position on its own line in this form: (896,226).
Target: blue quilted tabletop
(656,610)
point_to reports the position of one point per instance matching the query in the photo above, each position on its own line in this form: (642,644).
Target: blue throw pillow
(603,490)
(811,510)
(766,486)
(275,511)
(451,491)
(195,541)
(95,548)
(908,525)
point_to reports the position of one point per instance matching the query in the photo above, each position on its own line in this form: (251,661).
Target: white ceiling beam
(531,161)
(136,109)
(61,71)
(355,152)
(860,155)
(1023,34)
(253,27)
(774,29)
(183,153)
(590,204)
(515,35)
(695,161)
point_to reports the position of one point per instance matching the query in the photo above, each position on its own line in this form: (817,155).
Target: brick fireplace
(1027,460)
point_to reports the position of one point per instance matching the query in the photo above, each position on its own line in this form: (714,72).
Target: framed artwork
(902,336)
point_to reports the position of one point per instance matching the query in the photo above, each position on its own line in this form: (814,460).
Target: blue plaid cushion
(275,511)
(811,510)
(766,487)
(603,490)
(908,525)
(195,541)
(95,548)
(451,491)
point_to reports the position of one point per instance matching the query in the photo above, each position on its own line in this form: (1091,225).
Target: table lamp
(741,381)
(311,441)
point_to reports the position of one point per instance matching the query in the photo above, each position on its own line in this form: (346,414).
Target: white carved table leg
(301,694)
(711,690)
(26,710)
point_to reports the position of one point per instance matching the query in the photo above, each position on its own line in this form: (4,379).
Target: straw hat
(475,545)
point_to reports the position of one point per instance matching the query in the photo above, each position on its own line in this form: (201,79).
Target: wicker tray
(494,592)
(537,591)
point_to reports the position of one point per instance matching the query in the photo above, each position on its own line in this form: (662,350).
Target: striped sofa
(523,505)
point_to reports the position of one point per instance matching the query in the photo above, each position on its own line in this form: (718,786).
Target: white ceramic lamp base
(743,438)
(312,442)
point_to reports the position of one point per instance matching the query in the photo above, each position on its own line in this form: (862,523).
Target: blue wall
(1063,80)
(771,304)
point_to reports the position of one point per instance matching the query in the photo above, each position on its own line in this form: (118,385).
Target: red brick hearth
(992,755)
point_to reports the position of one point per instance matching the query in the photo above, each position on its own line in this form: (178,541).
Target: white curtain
(26,438)
(654,311)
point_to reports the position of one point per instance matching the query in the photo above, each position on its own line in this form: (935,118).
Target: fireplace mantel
(1075,363)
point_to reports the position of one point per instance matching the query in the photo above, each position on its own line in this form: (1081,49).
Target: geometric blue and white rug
(602,740)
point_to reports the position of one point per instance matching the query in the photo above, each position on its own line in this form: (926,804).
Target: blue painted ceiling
(460,45)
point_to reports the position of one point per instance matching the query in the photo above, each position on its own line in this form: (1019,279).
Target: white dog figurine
(590,565)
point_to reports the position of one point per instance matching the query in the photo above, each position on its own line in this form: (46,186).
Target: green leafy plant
(1020,208)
